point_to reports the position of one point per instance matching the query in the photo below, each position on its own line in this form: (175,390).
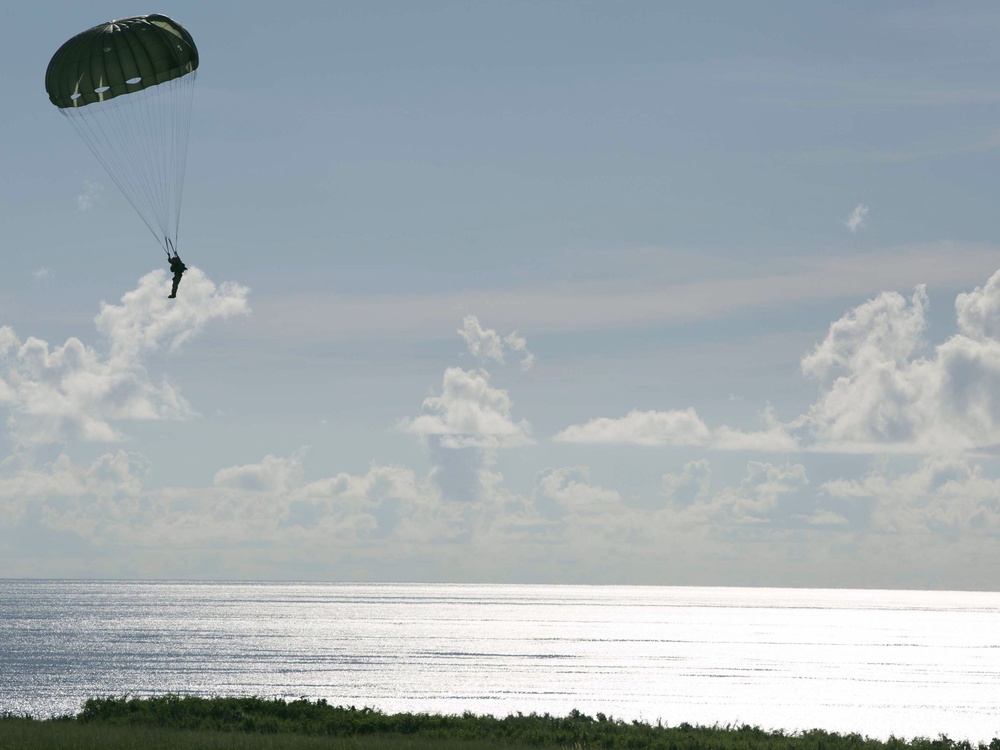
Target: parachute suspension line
(141,141)
(181,130)
(113,157)
(120,142)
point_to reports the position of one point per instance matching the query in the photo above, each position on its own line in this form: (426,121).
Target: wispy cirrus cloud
(856,221)
(654,298)
(486,343)
(93,193)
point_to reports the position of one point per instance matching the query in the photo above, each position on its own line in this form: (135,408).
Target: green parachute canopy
(127,87)
(119,57)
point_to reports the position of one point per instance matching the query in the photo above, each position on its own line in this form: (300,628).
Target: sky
(564,292)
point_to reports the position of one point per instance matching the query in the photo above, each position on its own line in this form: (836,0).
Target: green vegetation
(191,723)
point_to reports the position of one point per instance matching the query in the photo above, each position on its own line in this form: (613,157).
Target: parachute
(127,87)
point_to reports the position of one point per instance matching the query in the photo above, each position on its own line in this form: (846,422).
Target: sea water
(880,663)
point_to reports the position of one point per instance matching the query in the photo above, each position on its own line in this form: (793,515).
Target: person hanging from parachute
(177,268)
(127,87)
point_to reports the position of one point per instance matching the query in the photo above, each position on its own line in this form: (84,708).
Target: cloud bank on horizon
(884,390)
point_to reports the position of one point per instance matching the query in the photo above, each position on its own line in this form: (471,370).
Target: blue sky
(564,292)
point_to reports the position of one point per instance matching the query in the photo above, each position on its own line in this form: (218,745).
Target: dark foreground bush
(262,716)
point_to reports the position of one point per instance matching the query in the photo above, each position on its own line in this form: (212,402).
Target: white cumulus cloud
(72,391)
(470,413)
(774,437)
(884,386)
(273,474)
(679,427)
(147,320)
(776,495)
(571,489)
(690,485)
(978,311)
(943,495)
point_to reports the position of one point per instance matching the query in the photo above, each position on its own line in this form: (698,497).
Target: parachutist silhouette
(178,267)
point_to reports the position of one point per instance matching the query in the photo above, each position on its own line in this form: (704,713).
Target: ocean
(880,663)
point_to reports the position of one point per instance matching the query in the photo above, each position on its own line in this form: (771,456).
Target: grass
(192,723)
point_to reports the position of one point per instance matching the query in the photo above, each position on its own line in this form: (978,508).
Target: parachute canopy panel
(122,56)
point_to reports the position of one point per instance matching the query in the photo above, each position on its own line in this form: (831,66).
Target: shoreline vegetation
(194,723)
